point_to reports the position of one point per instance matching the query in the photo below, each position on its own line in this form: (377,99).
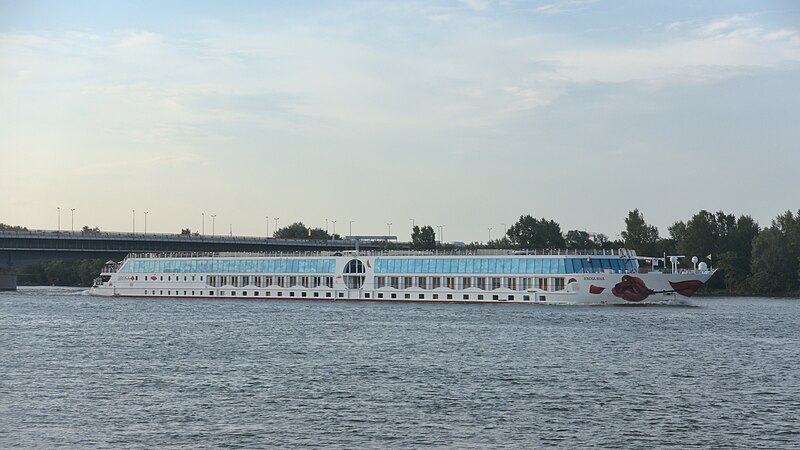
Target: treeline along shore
(752,260)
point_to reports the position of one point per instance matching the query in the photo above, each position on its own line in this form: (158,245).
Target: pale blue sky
(465,114)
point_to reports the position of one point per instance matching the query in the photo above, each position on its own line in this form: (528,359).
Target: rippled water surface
(79,371)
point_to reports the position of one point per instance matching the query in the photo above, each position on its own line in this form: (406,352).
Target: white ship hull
(393,278)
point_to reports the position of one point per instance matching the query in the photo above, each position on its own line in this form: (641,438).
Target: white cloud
(720,26)
(563,6)
(477,5)
(137,39)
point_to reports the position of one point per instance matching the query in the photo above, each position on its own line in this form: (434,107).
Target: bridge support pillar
(8,280)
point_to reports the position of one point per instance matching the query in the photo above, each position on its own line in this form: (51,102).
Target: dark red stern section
(631,289)
(596,289)
(686,288)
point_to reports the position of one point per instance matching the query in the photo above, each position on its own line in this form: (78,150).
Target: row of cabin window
(237,294)
(229,266)
(264,281)
(379,295)
(502,265)
(169,278)
(461,283)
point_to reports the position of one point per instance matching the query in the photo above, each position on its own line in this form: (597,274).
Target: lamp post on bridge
(351,227)
(133,211)
(145,221)
(334,227)
(276,224)
(389,224)
(59,218)
(267,226)
(203,226)
(213,216)
(72,220)
(490,234)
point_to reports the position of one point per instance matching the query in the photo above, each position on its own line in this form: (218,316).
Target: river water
(79,371)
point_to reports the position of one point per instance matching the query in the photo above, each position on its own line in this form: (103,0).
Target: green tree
(531,233)
(298,230)
(502,243)
(80,272)
(773,263)
(578,239)
(6,227)
(423,238)
(640,236)
(734,252)
(728,240)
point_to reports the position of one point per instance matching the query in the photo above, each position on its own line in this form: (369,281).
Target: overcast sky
(464,114)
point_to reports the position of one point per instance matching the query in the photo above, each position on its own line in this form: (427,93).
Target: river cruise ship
(481,276)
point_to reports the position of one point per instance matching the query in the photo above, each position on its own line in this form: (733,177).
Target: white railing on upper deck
(388,253)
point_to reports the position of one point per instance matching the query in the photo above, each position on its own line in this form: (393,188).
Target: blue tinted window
(515,265)
(507,265)
(596,265)
(425,265)
(605,263)
(561,266)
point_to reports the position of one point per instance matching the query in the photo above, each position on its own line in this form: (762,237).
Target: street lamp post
(505,229)
(133,214)
(145,221)
(490,233)
(72,220)
(276,224)
(441,233)
(203,226)
(351,227)
(267,226)
(59,218)
(389,224)
(213,217)
(334,227)
(326,225)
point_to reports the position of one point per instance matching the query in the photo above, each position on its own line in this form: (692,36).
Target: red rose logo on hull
(686,288)
(631,289)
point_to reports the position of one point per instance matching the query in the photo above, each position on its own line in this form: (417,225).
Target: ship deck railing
(388,253)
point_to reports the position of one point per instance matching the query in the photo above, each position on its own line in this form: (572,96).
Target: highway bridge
(20,248)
